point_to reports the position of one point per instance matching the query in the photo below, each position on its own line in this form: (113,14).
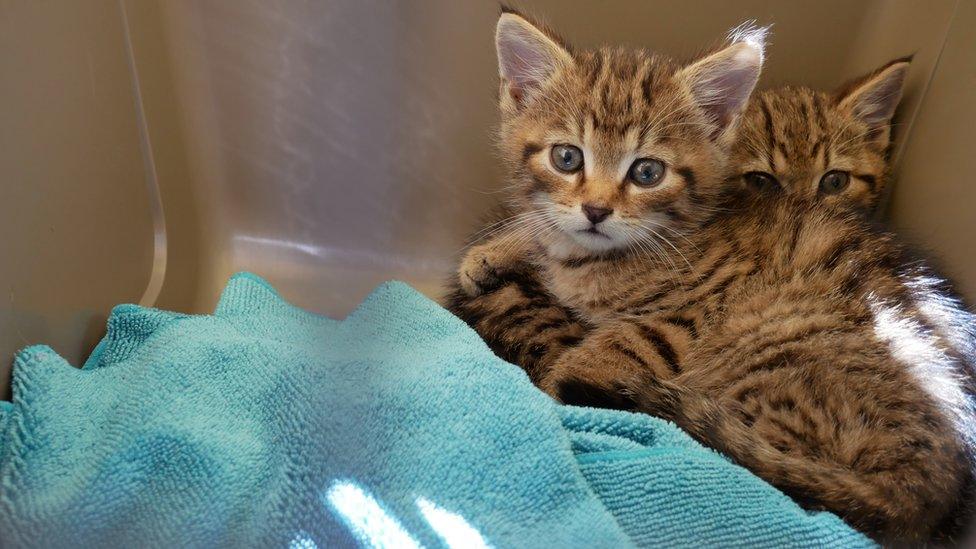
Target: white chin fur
(565,244)
(610,237)
(571,239)
(596,242)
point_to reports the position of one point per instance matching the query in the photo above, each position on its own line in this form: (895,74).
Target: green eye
(761,182)
(646,172)
(834,182)
(567,158)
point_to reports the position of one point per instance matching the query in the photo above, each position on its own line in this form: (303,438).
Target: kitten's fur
(791,338)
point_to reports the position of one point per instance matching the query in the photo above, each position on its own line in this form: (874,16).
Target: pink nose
(596,214)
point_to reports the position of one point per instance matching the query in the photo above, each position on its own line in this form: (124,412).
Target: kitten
(518,318)
(832,149)
(785,336)
(821,148)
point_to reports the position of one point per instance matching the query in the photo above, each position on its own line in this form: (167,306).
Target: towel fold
(264,425)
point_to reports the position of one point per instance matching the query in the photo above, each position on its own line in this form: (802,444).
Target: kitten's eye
(761,181)
(567,158)
(834,182)
(647,172)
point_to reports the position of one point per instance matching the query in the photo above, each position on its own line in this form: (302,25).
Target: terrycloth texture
(263,425)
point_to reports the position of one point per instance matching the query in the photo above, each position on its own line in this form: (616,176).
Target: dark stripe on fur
(688,175)
(629,354)
(576,262)
(869,179)
(661,345)
(768,118)
(530,149)
(685,323)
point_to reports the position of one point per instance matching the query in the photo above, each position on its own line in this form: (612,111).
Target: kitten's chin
(565,245)
(595,241)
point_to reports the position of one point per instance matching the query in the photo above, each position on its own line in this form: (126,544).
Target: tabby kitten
(787,337)
(832,149)
(821,148)
(643,99)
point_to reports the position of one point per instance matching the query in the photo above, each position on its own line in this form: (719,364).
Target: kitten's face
(605,162)
(615,149)
(824,149)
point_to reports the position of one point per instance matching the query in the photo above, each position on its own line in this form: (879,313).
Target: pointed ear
(720,84)
(874,97)
(527,58)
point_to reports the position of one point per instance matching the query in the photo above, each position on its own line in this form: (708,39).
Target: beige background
(151,148)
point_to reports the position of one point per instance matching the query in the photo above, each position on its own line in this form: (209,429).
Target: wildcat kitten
(783,335)
(826,149)
(816,146)
(518,318)
(831,150)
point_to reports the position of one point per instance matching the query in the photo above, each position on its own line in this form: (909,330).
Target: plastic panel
(76,214)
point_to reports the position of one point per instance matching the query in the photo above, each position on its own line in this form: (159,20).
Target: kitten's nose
(596,214)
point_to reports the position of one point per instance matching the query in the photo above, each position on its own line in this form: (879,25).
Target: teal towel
(263,425)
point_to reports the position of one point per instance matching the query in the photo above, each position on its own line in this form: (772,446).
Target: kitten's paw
(584,376)
(478,273)
(567,376)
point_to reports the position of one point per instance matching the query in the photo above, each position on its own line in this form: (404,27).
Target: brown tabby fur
(765,328)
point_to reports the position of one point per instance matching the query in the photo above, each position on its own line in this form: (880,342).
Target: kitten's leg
(591,373)
(498,293)
(519,320)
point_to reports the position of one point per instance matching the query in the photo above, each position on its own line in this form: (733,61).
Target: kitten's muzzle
(596,214)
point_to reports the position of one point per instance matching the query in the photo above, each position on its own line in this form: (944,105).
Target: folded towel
(264,425)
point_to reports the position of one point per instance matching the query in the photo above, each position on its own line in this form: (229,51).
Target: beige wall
(934,199)
(331,145)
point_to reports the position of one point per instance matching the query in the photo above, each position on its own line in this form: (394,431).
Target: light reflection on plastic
(374,527)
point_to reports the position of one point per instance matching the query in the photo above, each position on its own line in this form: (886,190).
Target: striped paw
(478,273)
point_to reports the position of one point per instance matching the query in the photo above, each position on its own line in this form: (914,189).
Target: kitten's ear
(721,83)
(873,98)
(527,58)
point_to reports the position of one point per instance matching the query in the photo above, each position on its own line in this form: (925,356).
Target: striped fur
(792,338)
